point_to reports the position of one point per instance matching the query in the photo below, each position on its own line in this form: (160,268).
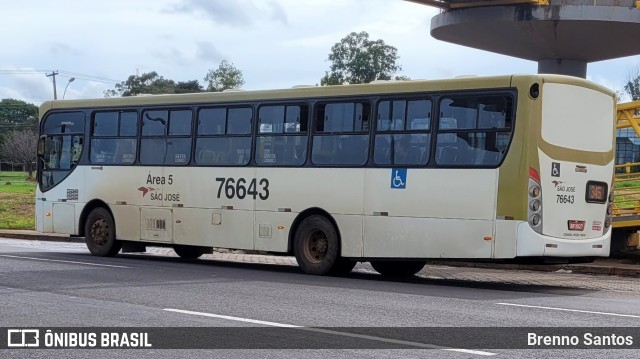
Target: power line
(62,73)
(97,78)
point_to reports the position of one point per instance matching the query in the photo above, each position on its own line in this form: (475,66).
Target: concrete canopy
(572,31)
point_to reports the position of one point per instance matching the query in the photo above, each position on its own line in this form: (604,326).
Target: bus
(394,173)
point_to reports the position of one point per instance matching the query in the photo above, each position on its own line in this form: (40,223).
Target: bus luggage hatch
(156,224)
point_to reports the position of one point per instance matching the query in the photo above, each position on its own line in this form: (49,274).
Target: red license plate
(576,225)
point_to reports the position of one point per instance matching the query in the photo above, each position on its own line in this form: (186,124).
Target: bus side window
(474,130)
(206,156)
(240,149)
(352,150)
(125,151)
(447,155)
(153,151)
(53,149)
(76,150)
(466,153)
(447,149)
(382,150)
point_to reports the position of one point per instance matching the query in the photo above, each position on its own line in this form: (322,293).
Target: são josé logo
(146,190)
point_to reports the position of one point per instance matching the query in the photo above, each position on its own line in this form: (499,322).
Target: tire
(190,252)
(317,248)
(398,268)
(100,233)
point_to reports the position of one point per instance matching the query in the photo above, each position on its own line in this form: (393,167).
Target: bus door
(59,149)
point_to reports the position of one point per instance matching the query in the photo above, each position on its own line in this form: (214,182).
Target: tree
(17,115)
(225,77)
(356,60)
(633,85)
(192,86)
(152,83)
(20,147)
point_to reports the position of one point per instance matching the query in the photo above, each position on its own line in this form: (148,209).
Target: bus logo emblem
(555,169)
(146,190)
(576,225)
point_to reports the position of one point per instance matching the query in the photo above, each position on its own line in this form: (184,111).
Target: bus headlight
(535,220)
(609,209)
(534,191)
(535,205)
(611,196)
(607,223)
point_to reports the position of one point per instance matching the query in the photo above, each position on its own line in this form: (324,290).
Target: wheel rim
(100,232)
(316,246)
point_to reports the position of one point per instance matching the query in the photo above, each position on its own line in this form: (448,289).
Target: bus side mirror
(41,146)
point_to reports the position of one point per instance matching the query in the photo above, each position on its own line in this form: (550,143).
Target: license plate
(576,225)
(596,192)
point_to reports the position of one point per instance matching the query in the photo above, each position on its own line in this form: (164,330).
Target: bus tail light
(535,205)
(534,208)
(535,220)
(607,218)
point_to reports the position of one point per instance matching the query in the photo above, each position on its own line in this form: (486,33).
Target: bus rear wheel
(317,248)
(398,268)
(100,233)
(190,252)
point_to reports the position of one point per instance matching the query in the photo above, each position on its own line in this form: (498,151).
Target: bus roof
(386,87)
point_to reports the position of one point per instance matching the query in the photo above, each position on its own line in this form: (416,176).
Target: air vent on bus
(155,224)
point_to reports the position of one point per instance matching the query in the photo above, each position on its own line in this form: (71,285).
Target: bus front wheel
(398,268)
(190,252)
(100,233)
(317,248)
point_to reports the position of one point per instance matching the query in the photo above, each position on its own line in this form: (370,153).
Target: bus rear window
(577,118)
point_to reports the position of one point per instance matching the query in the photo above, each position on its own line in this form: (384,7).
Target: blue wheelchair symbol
(398,178)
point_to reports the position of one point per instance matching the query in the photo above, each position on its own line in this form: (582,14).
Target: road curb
(41,237)
(597,269)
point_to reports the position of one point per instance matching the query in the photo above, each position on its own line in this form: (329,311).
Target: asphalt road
(61,285)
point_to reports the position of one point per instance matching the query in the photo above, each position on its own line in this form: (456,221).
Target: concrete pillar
(576,68)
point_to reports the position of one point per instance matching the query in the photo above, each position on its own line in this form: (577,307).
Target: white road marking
(570,310)
(61,261)
(238,319)
(333,332)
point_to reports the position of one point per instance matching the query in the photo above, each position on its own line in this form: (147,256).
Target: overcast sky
(276,43)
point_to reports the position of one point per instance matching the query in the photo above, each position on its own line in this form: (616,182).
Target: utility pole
(53,75)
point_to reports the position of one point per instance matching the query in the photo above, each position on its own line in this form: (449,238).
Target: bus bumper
(532,244)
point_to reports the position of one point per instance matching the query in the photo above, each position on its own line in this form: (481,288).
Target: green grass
(17,201)
(627,184)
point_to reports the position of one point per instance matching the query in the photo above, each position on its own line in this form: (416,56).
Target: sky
(276,43)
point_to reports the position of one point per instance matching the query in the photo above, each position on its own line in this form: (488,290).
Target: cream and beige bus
(394,173)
